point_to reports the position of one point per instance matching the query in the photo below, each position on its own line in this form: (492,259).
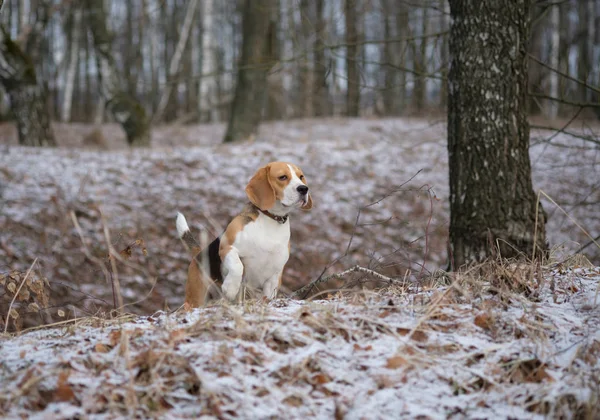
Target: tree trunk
(208,82)
(352,57)
(176,59)
(445,24)
(72,69)
(552,106)
(305,76)
(536,48)
(28,95)
(402,29)
(258,29)
(320,95)
(493,208)
(583,50)
(420,65)
(389,59)
(564,50)
(126,110)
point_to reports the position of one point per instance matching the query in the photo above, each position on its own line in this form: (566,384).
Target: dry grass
(500,333)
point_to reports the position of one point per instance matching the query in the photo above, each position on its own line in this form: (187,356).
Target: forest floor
(429,345)
(398,164)
(505,342)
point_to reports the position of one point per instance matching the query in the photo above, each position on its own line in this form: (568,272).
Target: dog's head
(279,186)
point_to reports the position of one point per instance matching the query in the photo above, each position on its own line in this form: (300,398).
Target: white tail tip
(181,224)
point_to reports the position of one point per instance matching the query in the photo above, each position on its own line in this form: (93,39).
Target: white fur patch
(182,225)
(262,247)
(291,196)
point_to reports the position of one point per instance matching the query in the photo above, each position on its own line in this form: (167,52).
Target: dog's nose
(302,189)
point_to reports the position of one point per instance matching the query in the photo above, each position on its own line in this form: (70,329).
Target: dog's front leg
(233,270)
(271,286)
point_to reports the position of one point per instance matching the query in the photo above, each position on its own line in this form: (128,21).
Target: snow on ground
(349,163)
(469,350)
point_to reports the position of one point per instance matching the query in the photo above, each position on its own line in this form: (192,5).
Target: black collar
(278,219)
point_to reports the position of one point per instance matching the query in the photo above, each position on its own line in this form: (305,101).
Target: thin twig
(355,269)
(16,294)
(113,264)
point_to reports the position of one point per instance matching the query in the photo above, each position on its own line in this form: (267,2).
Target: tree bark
(27,94)
(552,106)
(402,29)
(420,64)
(305,71)
(389,58)
(583,48)
(321,106)
(258,29)
(493,208)
(126,110)
(176,59)
(73,62)
(445,24)
(352,58)
(536,47)
(208,82)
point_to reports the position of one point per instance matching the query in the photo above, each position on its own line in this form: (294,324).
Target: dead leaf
(419,336)
(177,335)
(357,347)
(101,348)
(396,362)
(60,313)
(320,379)
(293,400)
(12,287)
(484,320)
(33,307)
(114,337)
(63,390)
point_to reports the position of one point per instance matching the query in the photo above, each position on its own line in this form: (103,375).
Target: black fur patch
(214,261)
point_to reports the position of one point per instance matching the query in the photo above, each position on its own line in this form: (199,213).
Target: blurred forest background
(178,59)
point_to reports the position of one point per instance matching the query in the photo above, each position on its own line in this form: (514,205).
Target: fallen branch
(355,269)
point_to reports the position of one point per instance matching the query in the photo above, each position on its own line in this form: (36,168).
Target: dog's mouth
(300,202)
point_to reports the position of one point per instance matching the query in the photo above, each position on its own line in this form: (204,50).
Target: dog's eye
(301,177)
(283,177)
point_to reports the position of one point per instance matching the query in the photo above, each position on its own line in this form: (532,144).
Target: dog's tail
(185,234)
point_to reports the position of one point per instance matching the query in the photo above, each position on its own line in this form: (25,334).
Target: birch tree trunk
(72,69)
(258,30)
(445,24)
(176,59)
(402,29)
(420,61)
(493,208)
(552,106)
(126,110)
(208,82)
(352,57)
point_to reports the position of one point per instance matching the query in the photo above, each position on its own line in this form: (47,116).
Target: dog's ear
(260,191)
(308,204)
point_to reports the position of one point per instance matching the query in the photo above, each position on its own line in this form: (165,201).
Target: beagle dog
(256,244)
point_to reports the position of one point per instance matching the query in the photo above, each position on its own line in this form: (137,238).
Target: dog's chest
(263,248)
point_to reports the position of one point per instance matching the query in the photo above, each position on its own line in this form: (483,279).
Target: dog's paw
(230,290)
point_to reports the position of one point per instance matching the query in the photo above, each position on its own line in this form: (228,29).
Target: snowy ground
(349,164)
(467,349)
